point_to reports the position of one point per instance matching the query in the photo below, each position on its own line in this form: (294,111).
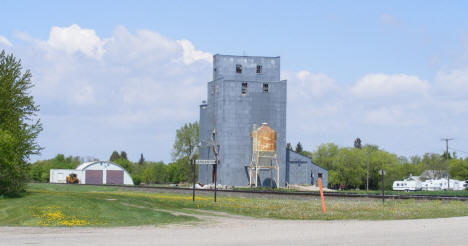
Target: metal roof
(83,166)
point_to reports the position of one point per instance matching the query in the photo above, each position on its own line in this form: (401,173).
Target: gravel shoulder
(223,229)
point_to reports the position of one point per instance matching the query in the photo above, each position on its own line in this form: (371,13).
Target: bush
(136,180)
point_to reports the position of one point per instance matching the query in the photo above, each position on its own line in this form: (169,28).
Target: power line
(459,150)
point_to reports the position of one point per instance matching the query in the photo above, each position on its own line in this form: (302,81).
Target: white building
(96,172)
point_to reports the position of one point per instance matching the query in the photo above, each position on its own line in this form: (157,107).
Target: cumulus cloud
(76,39)
(453,82)
(316,85)
(5,41)
(131,90)
(191,55)
(127,84)
(385,85)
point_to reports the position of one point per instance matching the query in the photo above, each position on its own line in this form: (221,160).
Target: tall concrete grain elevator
(246,91)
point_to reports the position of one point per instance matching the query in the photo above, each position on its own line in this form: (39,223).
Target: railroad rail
(288,194)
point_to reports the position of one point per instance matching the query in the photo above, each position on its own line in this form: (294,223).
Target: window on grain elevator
(238,68)
(265,88)
(244,89)
(259,69)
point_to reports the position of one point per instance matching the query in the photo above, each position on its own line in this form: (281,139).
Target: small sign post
(203,162)
(192,160)
(382,172)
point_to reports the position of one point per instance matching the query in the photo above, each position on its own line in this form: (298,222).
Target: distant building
(246,91)
(96,172)
(301,170)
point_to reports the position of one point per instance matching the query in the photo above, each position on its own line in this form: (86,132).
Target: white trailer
(441,184)
(407,185)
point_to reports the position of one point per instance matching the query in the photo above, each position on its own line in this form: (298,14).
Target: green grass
(374,192)
(391,192)
(76,205)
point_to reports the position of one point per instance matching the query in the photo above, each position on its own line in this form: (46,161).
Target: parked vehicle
(407,185)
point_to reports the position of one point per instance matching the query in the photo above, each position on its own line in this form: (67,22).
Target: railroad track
(290,194)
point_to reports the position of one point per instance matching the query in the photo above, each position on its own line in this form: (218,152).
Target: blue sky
(391,73)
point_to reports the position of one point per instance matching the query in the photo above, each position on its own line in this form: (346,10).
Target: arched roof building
(95,172)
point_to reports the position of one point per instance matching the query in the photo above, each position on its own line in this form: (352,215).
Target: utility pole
(447,158)
(367,177)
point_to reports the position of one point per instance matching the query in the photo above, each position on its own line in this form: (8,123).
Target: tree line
(148,172)
(347,166)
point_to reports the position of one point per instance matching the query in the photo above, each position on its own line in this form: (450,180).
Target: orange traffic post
(321,195)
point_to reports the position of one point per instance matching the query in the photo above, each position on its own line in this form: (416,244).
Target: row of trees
(177,171)
(347,166)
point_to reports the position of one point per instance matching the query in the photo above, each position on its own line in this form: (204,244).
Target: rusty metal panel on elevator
(264,138)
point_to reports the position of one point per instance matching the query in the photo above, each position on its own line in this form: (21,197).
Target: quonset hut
(95,172)
(246,91)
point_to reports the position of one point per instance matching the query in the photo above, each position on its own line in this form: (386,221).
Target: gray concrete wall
(301,170)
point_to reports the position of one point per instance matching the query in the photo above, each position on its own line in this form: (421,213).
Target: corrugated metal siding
(114,177)
(93,176)
(233,115)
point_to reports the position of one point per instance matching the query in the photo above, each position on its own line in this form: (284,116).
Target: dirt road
(230,230)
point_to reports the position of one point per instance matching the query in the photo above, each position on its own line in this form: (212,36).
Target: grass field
(75,205)
(374,192)
(391,192)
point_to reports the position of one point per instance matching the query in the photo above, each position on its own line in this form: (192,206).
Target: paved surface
(229,230)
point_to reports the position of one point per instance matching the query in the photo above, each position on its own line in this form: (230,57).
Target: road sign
(205,162)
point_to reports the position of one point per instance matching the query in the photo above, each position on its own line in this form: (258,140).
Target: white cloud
(132,90)
(127,84)
(391,116)
(74,38)
(394,85)
(83,94)
(191,55)
(5,41)
(304,84)
(453,82)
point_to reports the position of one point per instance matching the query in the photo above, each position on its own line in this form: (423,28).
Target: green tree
(18,130)
(326,155)
(40,170)
(126,164)
(299,148)
(142,159)
(123,155)
(288,146)
(114,156)
(179,171)
(459,169)
(187,137)
(436,163)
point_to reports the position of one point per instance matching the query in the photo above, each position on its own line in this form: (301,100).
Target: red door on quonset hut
(114,177)
(93,177)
